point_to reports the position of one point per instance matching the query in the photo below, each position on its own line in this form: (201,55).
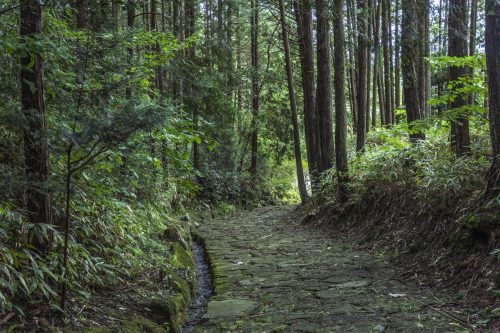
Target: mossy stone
(143,325)
(181,257)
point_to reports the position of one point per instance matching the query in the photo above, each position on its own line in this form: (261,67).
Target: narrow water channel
(198,307)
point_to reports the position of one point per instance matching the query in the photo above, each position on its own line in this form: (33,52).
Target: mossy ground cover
(275,275)
(152,300)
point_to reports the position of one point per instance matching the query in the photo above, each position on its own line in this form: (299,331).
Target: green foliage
(470,84)
(429,167)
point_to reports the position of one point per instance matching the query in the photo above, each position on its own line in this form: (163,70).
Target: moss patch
(181,258)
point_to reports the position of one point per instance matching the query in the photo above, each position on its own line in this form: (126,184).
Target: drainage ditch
(204,287)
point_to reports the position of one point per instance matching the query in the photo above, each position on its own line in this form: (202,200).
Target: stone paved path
(271,276)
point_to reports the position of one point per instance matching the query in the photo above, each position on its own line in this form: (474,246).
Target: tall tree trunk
(303,15)
(426,64)
(397,66)
(472,40)
(351,28)
(293,106)
(255,83)
(387,62)
(176,29)
(323,87)
(362,66)
(423,8)
(190,21)
(130,49)
(36,156)
(391,64)
(381,91)
(457,47)
(442,10)
(145,13)
(80,7)
(154,27)
(410,52)
(493,67)
(340,104)
(370,30)
(376,51)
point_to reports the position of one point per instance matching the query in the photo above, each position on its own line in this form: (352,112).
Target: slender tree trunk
(190,24)
(81,14)
(351,28)
(423,8)
(176,29)
(36,155)
(154,27)
(145,13)
(426,64)
(410,51)
(340,104)
(115,14)
(472,40)
(130,49)
(376,51)
(397,66)
(381,92)
(293,106)
(387,62)
(391,64)
(370,29)
(362,78)
(323,87)
(493,67)
(255,82)
(457,47)
(303,15)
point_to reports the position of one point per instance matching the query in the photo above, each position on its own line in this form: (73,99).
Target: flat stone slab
(230,308)
(272,275)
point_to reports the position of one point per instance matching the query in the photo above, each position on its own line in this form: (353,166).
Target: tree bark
(80,7)
(387,64)
(36,156)
(472,41)
(423,8)
(362,79)
(293,106)
(154,27)
(190,24)
(323,87)
(351,28)
(397,66)
(410,51)
(376,51)
(370,29)
(457,47)
(255,83)
(303,17)
(340,104)
(492,45)
(130,49)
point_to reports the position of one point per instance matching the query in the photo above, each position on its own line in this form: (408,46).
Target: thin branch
(6,10)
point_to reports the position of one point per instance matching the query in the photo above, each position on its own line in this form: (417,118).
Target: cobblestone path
(271,275)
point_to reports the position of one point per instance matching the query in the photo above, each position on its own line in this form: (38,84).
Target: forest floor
(272,274)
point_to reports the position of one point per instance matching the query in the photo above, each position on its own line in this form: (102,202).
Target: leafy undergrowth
(425,208)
